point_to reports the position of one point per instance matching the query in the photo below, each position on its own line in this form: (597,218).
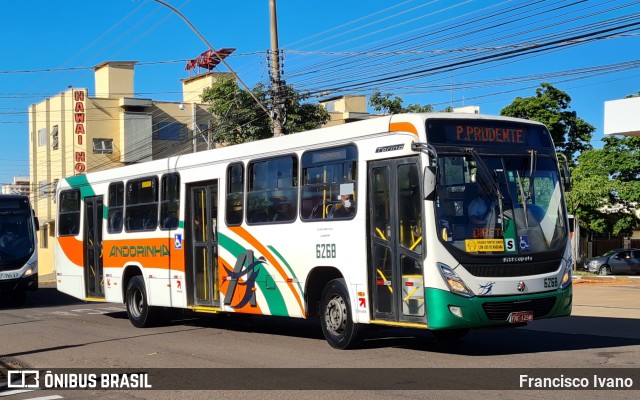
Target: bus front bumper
(8,286)
(492,311)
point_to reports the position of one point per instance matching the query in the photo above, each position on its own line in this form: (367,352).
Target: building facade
(74,132)
(20,185)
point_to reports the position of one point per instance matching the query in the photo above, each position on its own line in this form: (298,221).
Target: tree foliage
(551,106)
(239,119)
(389,104)
(606,190)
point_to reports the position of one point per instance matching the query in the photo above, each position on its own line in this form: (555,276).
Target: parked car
(619,261)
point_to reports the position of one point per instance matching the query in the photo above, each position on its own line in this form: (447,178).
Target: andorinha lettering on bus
(486,134)
(567,382)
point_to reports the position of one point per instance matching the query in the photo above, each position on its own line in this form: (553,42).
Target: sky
(439,52)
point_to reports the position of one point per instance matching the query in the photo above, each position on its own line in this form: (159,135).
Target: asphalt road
(54,331)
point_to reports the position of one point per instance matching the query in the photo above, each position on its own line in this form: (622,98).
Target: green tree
(606,189)
(551,106)
(239,119)
(386,104)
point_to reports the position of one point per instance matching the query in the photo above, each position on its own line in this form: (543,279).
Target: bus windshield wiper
(532,172)
(489,181)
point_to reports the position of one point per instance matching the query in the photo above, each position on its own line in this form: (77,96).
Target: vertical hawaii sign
(79,131)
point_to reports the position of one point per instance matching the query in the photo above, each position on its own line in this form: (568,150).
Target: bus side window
(272,196)
(116,207)
(235,194)
(325,175)
(170,201)
(69,213)
(141,211)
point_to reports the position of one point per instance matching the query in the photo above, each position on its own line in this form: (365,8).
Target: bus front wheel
(336,318)
(140,313)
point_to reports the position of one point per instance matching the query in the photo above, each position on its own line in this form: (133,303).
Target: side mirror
(565,174)
(35,219)
(429,183)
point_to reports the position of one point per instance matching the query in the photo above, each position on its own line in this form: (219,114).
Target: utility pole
(278,106)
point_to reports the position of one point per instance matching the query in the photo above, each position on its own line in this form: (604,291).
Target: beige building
(20,185)
(346,109)
(73,133)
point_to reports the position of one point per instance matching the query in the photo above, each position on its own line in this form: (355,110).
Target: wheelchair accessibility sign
(177,240)
(524,242)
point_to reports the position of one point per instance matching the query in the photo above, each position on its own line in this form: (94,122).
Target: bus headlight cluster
(455,283)
(31,269)
(568,274)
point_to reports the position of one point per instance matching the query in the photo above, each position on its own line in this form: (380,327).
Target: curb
(609,279)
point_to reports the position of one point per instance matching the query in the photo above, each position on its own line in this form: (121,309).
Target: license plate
(520,316)
(8,275)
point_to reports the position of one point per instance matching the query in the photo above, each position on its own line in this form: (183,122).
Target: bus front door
(93,272)
(396,280)
(204,243)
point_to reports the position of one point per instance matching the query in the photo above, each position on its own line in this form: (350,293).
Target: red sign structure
(79,131)
(208,60)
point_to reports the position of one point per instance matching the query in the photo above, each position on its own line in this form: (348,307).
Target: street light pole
(236,76)
(276,92)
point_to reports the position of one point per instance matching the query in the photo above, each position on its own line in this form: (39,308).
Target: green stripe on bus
(275,300)
(81,182)
(286,264)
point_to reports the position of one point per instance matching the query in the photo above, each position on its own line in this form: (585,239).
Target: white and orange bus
(363,223)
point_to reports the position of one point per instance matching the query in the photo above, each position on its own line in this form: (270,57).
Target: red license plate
(520,316)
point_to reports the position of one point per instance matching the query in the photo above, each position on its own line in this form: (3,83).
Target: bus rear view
(18,248)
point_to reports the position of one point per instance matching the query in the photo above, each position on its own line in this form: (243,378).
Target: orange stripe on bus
(403,127)
(73,249)
(272,260)
(141,250)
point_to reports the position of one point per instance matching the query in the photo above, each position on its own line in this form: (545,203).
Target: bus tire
(139,312)
(336,318)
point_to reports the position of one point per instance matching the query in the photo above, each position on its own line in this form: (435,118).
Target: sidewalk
(48,278)
(611,279)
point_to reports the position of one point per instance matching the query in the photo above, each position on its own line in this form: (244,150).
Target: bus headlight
(455,283)
(31,269)
(567,277)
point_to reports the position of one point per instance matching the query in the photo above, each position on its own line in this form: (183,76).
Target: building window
(170,131)
(44,237)
(42,137)
(102,146)
(42,189)
(54,138)
(273,194)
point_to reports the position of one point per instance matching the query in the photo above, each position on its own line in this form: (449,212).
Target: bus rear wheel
(336,318)
(140,313)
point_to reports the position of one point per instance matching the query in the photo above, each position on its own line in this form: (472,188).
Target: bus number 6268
(327,250)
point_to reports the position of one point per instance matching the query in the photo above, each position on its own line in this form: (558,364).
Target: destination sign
(487,133)
(470,133)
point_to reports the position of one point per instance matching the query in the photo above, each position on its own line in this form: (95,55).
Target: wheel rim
(335,315)
(136,303)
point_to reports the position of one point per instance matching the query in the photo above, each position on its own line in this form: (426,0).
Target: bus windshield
(500,204)
(16,237)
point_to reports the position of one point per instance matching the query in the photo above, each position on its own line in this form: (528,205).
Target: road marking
(17,391)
